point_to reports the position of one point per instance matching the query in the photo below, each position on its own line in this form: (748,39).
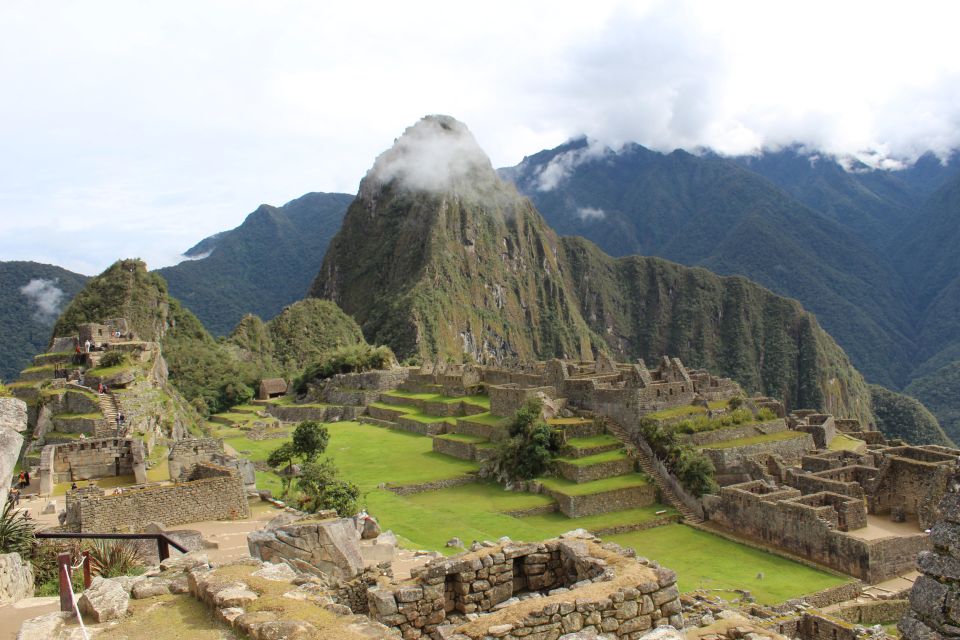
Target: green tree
(321,488)
(528,451)
(310,439)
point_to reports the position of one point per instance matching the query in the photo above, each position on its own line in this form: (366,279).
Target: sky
(135,129)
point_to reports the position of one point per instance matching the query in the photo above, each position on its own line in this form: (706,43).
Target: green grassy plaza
(371,456)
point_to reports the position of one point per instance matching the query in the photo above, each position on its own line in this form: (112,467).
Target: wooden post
(63,570)
(86,570)
(163,549)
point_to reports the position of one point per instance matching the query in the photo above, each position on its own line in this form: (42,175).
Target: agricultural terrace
(376,457)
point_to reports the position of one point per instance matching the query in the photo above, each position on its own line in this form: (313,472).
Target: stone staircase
(649,468)
(110,409)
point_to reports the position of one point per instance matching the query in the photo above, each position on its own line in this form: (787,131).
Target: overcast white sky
(132,128)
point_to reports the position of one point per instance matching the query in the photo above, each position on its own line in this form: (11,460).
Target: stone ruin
(935,596)
(185,454)
(208,492)
(91,459)
(506,590)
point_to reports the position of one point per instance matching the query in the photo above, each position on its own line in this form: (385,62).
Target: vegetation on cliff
(900,416)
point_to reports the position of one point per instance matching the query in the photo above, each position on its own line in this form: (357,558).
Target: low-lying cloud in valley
(45,297)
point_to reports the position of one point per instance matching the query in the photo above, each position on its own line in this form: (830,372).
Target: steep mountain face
(648,306)
(444,258)
(438,257)
(708,211)
(261,266)
(33,295)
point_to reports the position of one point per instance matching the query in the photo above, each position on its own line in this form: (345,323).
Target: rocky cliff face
(437,256)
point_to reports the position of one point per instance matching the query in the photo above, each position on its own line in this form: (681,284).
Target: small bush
(113,558)
(528,451)
(4,391)
(766,414)
(16,531)
(114,359)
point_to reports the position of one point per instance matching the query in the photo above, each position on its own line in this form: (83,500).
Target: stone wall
(588,473)
(810,527)
(184,454)
(705,438)
(616,500)
(622,596)
(90,459)
(935,596)
(871,613)
(299,413)
(16,578)
(731,460)
(912,485)
(505,400)
(211,493)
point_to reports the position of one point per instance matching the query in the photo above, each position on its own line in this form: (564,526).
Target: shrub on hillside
(349,359)
(113,359)
(321,488)
(4,391)
(528,451)
(692,468)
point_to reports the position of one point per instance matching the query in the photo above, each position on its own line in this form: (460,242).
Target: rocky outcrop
(16,578)
(105,599)
(13,421)
(935,596)
(318,547)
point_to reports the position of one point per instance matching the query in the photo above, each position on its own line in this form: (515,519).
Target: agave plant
(110,559)
(16,531)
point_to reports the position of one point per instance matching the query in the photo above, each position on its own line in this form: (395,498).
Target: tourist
(73,486)
(13,497)
(87,345)
(121,418)
(106,389)
(100,388)
(21,481)
(26,476)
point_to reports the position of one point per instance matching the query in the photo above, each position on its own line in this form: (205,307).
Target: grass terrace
(478,400)
(760,439)
(459,437)
(843,442)
(599,458)
(569,488)
(683,412)
(486,418)
(705,560)
(102,372)
(590,442)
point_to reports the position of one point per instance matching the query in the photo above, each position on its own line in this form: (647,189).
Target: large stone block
(322,548)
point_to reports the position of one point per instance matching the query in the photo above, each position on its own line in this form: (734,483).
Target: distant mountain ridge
(868,251)
(27,318)
(467,265)
(259,267)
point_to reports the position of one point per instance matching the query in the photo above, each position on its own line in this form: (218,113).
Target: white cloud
(562,165)
(142,128)
(45,297)
(591,213)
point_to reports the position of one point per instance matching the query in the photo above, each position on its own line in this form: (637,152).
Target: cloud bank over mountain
(144,128)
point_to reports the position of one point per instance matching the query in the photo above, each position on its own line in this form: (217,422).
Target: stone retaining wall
(731,460)
(212,493)
(871,613)
(589,473)
(331,413)
(455,448)
(705,438)
(616,500)
(410,489)
(421,428)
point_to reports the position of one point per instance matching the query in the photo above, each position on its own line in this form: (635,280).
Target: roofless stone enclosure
(585,585)
(90,459)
